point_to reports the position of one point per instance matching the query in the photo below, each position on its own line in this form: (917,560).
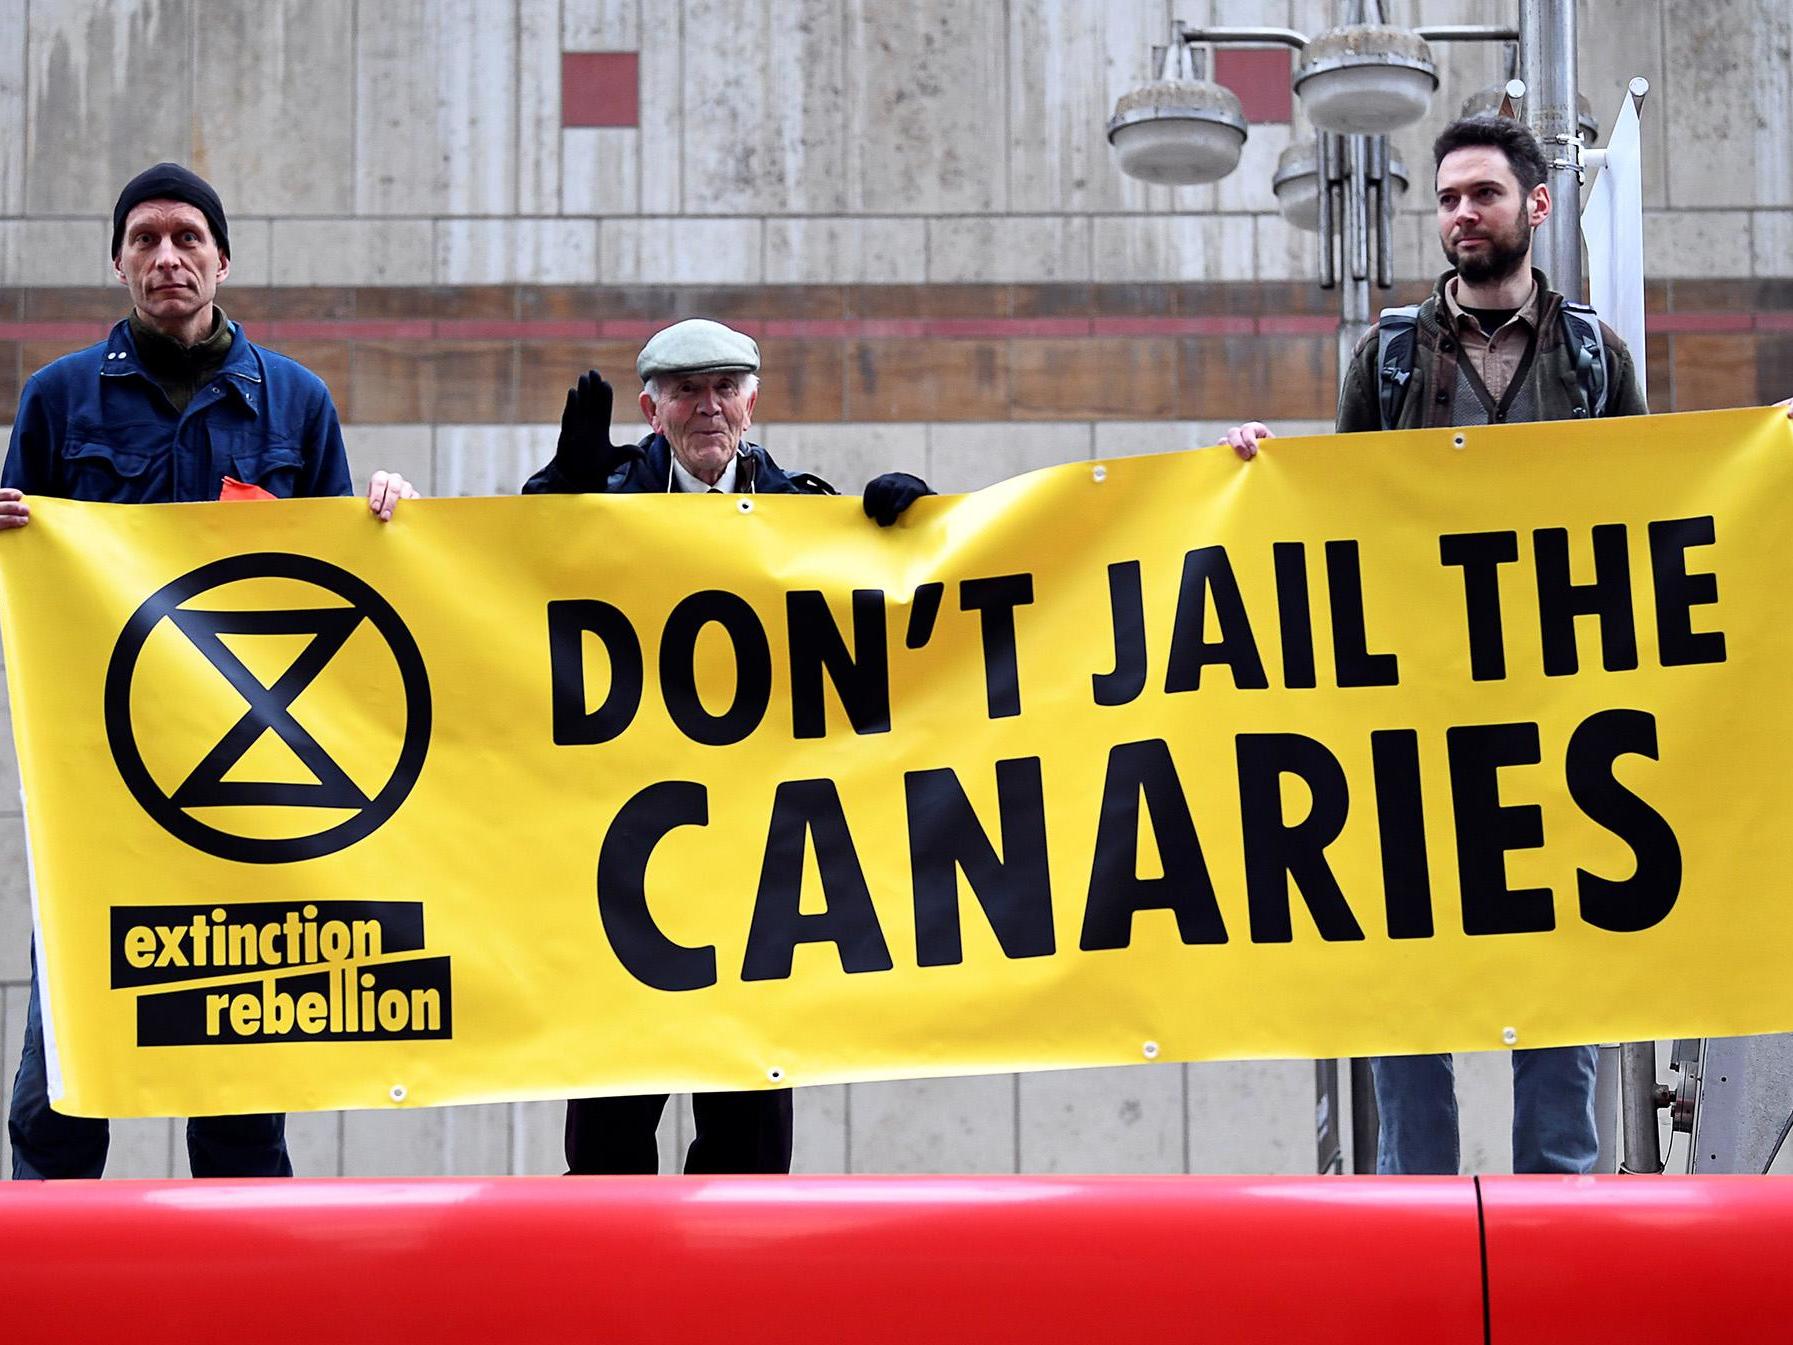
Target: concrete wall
(451,207)
(422,141)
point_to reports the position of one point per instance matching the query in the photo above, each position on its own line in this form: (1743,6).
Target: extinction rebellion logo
(270,709)
(332,986)
(272,812)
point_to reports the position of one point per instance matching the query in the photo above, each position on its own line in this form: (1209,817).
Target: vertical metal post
(1365,1121)
(1357,206)
(1326,166)
(1547,65)
(1607,1098)
(1552,107)
(1382,179)
(1328,1123)
(1637,1102)
(1354,250)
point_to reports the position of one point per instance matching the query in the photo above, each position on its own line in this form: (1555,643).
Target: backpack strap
(1394,359)
(1587,346)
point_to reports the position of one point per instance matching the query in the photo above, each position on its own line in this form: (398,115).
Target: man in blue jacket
(175,404)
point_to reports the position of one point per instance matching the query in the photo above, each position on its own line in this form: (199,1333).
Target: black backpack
(1395,344)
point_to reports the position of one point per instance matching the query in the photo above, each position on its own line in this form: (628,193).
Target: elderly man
(700,384)
(175,404)
(1493,344)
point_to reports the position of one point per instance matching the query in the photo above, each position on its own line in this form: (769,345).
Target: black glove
(584,452)
(887,496)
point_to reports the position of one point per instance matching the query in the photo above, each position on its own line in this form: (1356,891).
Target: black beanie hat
(171,182)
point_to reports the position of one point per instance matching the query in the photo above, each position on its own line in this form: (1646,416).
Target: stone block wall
(449,208)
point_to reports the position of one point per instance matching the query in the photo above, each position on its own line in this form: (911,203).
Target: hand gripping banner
(1406,742)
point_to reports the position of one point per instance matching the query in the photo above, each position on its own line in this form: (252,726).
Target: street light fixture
(1356,82)
(1297,183)
(1178,130)
(1366,79)
(1496,100)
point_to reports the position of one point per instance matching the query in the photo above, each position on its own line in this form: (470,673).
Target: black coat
(645,468)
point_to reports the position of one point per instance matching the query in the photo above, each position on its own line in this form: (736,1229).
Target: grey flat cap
(697,346)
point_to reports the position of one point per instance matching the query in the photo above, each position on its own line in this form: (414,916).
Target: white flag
(1613,225)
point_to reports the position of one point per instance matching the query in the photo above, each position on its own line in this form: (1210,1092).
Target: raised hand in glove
(584,452)
(887,496)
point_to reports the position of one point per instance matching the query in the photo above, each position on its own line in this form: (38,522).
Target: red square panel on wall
(599,88)
(1260,76)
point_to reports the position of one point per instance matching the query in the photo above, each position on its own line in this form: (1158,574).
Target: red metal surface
(743,1260)
(1603,1260)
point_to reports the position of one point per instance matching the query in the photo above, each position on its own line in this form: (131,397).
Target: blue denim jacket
(95,426)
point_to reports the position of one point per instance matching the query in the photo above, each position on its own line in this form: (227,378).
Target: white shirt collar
(686,484)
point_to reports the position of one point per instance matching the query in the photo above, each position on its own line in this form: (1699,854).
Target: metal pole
(1357,206)
(1609,1131)
(1365,1121)
(1637,1106)
(1382,179)
(1326,165)
(1547,65)
(1468,32)
(1284,37)
(1354,318)
(1354,250)
(1328,1122)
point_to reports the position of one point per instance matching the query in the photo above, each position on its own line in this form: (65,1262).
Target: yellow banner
(1406,742)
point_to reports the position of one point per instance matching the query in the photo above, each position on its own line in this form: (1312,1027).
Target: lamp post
(1547,66)
(1358,82)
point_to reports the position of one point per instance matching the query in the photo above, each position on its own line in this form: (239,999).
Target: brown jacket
(1427,402)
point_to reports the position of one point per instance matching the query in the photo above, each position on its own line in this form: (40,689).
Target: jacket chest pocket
(110,474)
(255,460)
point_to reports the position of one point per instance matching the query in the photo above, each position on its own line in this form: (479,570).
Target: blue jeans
(1553,1112)
(45,1143)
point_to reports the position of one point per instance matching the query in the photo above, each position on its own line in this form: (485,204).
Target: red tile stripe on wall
(842,329)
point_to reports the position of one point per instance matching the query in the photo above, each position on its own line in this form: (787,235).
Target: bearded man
(1492,345)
